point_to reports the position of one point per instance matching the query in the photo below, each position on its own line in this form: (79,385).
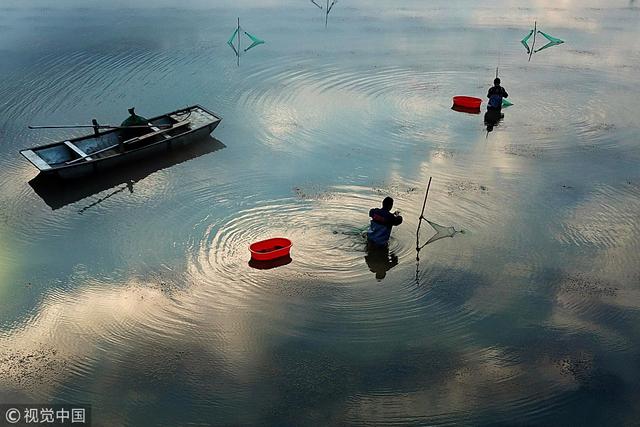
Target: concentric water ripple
(328,241)
(145,286)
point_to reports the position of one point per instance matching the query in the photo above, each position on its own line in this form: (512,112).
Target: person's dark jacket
(133,120)
(495,95)
(381,223)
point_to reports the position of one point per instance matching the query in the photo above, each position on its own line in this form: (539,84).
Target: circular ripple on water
(304,99)
(328,241)
(606,220)
(328,284)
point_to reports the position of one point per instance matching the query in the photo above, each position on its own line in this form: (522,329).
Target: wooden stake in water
(424,204)
(533,45)
(326,15)
(239,41)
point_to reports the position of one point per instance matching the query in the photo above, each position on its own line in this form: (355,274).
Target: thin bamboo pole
(424,204)
(533,45)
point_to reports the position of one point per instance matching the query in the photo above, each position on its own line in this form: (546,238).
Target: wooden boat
(92,153)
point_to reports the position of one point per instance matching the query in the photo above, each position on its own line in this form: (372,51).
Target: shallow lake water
(132,292)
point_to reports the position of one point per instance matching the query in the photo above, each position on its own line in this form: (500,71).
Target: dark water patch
(443,153)
(524,150)
(591,222)
(341,379)
(312,192)
(464,187)
(586,286)
(395,190)
(29,369)
(453,288)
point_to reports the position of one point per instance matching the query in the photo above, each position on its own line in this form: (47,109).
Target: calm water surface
(132,292)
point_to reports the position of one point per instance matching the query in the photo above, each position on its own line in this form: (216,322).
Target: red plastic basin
(467,102)
(265,250)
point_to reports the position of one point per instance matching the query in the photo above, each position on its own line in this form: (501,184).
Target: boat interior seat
(157,129)
(161,132)
(77,150)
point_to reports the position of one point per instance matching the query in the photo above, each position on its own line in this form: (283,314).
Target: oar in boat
(98,126)
(134,139)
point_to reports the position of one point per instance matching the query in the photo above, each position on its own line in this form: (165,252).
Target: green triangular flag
(550,44)
(256,41)
(233,36)
(550,38)
(526,39)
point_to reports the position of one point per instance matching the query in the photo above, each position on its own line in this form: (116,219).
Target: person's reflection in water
(492,118)
(380,260)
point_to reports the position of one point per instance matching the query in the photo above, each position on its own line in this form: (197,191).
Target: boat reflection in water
(492,119)
(58,193)
(380,260)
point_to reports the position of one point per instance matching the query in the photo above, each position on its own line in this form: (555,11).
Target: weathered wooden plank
(81,153)
(36,160)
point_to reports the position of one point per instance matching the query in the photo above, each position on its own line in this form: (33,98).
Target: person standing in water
(495,95)
(382,221)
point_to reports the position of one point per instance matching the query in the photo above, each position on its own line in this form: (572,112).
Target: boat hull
(84,169)
(197,130)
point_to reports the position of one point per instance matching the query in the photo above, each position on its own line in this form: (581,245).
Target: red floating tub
(269,249)
(467,102)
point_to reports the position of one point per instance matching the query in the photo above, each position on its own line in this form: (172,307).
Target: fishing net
(441,232)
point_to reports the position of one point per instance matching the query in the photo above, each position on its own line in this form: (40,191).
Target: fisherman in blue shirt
(495,95)
(382,220)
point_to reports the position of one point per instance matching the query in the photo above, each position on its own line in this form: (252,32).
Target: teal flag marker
(525,40)
(232,38)
(256,41)
(553,41)
(550,38)
(234,41)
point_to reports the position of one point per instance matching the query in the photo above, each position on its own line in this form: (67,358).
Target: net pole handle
(424,204)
